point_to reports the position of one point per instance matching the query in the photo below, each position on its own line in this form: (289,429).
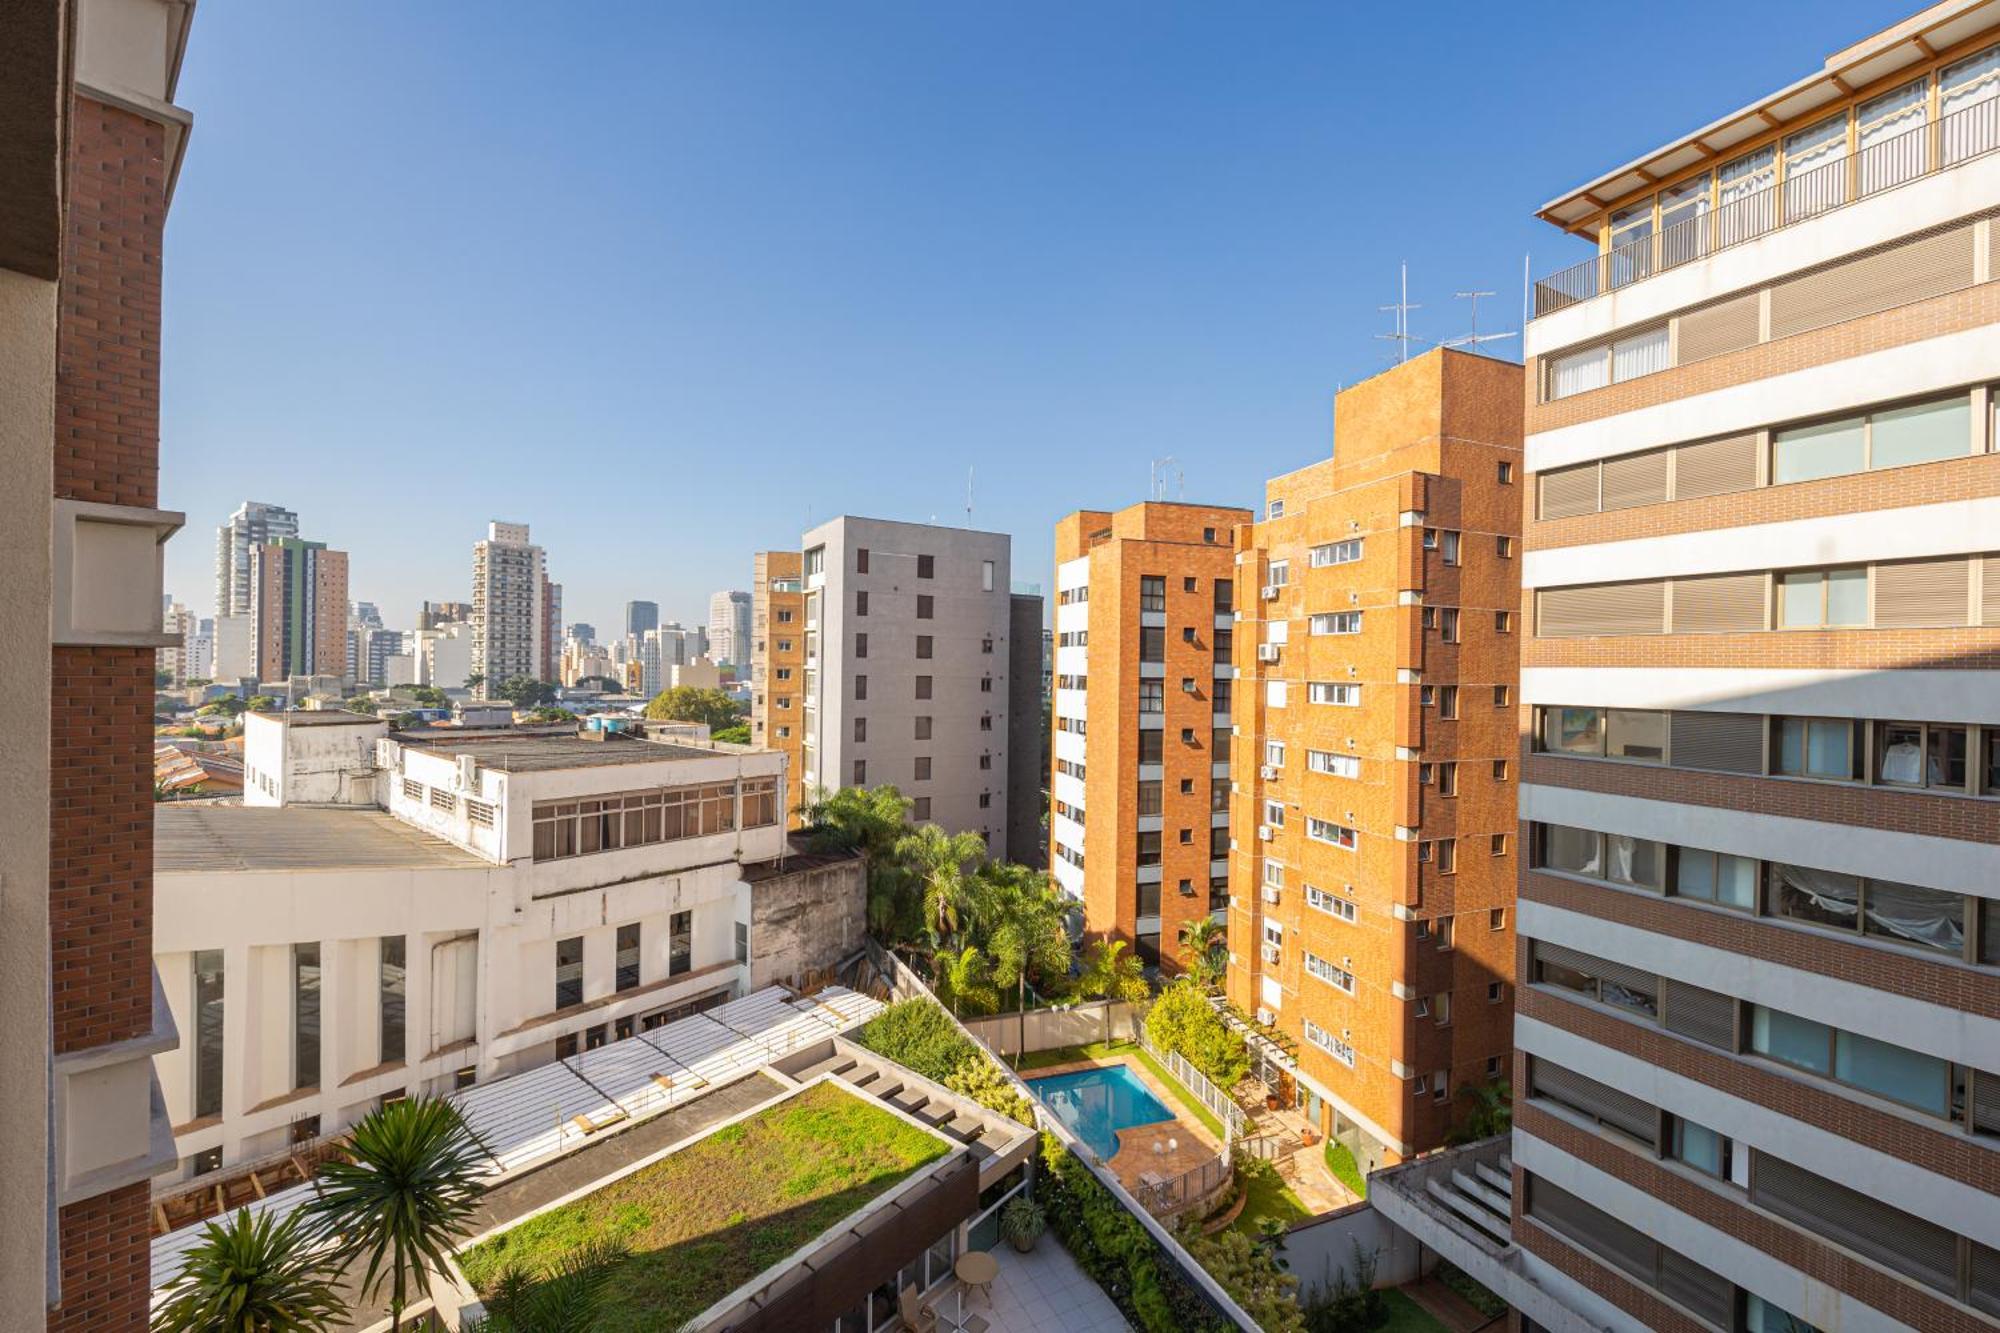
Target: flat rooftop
(531,753)
(318,717)
(189,839)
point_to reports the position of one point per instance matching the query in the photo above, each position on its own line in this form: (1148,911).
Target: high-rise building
(181,660)
(552,635)
(435,614)
(1139,793)
(729,628)
(778,647)
(508,605)
(93,146)
(641,616)
(1757,1069)
(1376,648)
(905,679)
(583,632)
(254,524)
(298,609)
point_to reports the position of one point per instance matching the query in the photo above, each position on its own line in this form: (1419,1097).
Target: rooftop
(528,752)
(317,717)
(190,839)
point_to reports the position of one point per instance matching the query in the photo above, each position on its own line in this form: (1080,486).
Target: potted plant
(1022,1223)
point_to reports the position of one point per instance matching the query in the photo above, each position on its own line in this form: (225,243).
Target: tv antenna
(968,497)
(1401,337)
(1162,468)
(1475,337)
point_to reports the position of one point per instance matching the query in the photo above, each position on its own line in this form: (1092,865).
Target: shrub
(1340,1161)
(1344,1303)
(978,1079)
(918,1035)
(1183,1021)
(1252,1274)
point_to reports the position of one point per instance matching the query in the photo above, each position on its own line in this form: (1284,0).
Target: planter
(1022,1223)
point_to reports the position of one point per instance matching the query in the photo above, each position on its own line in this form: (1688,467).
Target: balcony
(1713,224)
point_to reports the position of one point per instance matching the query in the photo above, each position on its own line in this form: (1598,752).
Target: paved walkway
(1037,1292)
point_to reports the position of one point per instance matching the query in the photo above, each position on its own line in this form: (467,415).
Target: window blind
(1719,604)
(1921,592)
(1605,609)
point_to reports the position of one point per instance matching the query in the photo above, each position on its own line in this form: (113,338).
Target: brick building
(1757,1064)
(298,610)
(777,666)
(1139,781)
(94,142)
(1373,858)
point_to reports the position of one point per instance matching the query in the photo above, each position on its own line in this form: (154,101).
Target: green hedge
(918,1034)
(1340,1161)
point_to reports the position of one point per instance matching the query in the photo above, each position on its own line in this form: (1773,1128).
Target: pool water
(1097,1103)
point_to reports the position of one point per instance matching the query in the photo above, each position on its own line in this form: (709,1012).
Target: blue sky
(672,282)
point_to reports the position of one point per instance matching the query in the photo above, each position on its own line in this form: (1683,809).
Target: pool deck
(1136,1155)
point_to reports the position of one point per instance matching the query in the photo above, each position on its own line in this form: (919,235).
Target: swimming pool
(1097,1103)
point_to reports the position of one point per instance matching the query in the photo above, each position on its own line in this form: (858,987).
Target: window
(1335,835)
(815,562)
(1889,437)
(1608,363)
(923,768)
(391,1005)
(1152,593)
(1449,547)
(1330,692)
(923,645)
(1208,534)
(1447,779)
(1597,979)
(1151,797)
(1152,643)
(926,606)
(1443,852)
(1715,877)
(986,763)
(1218,796)
(1816,747)
(1332,1045)
(1447,698)
(923,808)
(1615,733)
(1503,546)
(861,602)
(861,560)
(207,1033)
(1152,696)
(860,730)
(1280,573)
(680,943)
(1222,694)
(1337,977)
(1225,596)
(1336,553)
(1149,848)
(1336,765)
(1499,770)
(1274,509)
(986,576)
(1337,622)
(1506,473)
(1152,745)
(1448,624)
(860,773)
(926,566)
(628,957)
(1915,754)
(1430,539)
(1817,599)
(1320,900)
(1274,813)
(569,971)
(922,724)
(923,687)
(1905,914)
(861,645)
(1502,696)
(860,688)
(305,1015)
(1901,1075)
(1274,754)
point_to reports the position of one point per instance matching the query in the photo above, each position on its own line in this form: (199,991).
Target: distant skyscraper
(641,616)
(552,635)
(254,524)
(729,627)
(583,633)
(509,602)
(444,613)
(298,609)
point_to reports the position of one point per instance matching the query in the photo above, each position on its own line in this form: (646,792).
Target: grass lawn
(1267,1195)
(707,1219)
(1406,1316)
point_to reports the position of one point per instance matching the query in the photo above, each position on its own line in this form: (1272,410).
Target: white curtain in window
(1814,180)
(1743,208)
(1968,106)
(1889,152)
(1640,354)
(1577,372)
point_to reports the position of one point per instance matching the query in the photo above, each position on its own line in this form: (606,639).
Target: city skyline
(1187,276)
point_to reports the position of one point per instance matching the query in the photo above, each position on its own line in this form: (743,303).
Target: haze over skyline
(675,285)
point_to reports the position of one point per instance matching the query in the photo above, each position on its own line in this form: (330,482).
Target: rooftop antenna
(1156,488)
(1401,337)
(968,497)
(1475,337)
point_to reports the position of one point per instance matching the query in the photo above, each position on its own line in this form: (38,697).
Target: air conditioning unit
(1270,592)
(1266,1016)
(1271,894)
(1267,652)
(1265,833)
(1270,952)
(1268,772)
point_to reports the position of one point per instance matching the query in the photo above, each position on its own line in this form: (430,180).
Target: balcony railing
(1924,151)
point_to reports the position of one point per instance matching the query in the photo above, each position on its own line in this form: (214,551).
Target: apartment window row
(1073,596)
(1335,976)
(1068,811)
(1335,553)
(1903,594)
(1077,638)
(1332,692)
(1332,834)
(1945,757)
(1912,268)
(1070,768)
(1327,1041)
(1335,622)
(1336,765)
(1070,854)
(1321,901)
(1900,435)
(1954,925)
(1700,1291)
(1967,1098)
(637,819)
(1152,593)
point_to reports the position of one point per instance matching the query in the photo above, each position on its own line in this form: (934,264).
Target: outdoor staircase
(1483,1196)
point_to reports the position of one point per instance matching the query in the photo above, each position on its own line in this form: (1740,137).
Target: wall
(1049,1029)
(1324,1250)
(805,919)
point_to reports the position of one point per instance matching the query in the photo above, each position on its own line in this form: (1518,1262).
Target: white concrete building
(475,904)
(254,524)
(729,628)
(444,655)
(508,573)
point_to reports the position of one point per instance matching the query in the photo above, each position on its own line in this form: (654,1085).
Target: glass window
(1683,223)
(1760,1316)
(1912,914)
(207,1032)
(1744,210)
(1920,433)
(305,1015)
(569,972)
(1821,897)
(1578,372)
(1792,1040)
(1714,877)
(628,957)
(1889,154)
(1152,592)
(1828,449)
(1639,354)
(680,943)
(1152,745)
(1632,861)
(1814,180)
(1152,643)
(1150,797)
(1815,747)
(1901,1075)
(1961,86)
(1572,849)
(1636,735)
(1701,1148)
(1573,730)
(392,1007)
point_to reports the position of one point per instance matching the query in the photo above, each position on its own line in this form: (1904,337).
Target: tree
(690,703)
(1183,1021)
(405,1199)
(869,820)
(564,1301)
(229,705)
(736,735)
(524,692)
(1110,973)
(604,683)
(941,863)
(1490,1111)
(253,1275)
(1205,945)
(475,680)
(163,680)
(1018,920)
(360,703)
(964,981)
(428,696)
(550,713)
(405,721)
(262,703)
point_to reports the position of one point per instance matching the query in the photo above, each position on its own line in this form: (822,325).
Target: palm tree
(964,981)
(406,1198)
(940,862)
(1111,973)
(1205,945)
(253,1275)
(1020,915)
(565,1301)
(1492,1111)
(871,821)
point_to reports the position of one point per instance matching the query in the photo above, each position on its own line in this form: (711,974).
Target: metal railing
(1219,1103)
(1176,1194)
(1923,151)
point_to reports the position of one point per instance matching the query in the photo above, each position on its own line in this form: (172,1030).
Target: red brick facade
(106,1272)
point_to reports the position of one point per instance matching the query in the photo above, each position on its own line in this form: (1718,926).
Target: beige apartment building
(778,643)
(1374,850)
(1139,786)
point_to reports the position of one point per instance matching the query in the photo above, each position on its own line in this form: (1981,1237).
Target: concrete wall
(806,919)
(1325,1249)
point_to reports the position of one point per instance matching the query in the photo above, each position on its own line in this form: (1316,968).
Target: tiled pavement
(1039,1291)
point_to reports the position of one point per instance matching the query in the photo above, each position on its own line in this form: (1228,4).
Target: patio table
(977,1268)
